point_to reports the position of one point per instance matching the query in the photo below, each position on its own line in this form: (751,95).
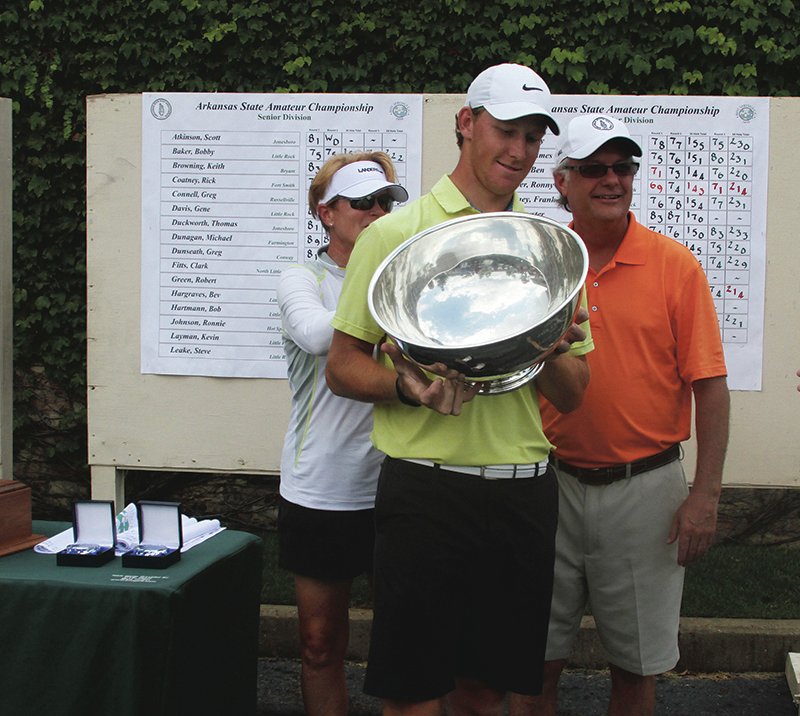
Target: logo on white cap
(361,178)
(603,123)
(586,133)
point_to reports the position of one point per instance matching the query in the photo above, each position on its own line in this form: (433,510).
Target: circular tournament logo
(161,109)
(399,110)
(602,123)
(746,113)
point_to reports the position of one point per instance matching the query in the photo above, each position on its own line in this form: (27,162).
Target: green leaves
(679,6)
(218,31)
(638,65)
(294,66)
(716,40)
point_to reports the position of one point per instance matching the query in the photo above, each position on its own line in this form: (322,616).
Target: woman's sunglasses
(596,171)
(365,203)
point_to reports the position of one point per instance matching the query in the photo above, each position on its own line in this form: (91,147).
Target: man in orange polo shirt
(627,521)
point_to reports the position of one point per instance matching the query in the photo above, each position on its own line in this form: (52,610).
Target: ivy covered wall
(55,53)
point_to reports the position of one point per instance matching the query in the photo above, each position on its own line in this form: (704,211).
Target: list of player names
(224,212)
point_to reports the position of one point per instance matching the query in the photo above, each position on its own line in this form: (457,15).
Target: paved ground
(583,693)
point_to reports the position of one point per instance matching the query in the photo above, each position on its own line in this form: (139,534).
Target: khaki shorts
(612,553)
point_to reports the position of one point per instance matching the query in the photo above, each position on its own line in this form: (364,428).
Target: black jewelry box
(160,536)
(94,532)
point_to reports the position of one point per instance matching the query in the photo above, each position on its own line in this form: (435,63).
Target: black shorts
(463,581)
(325,544)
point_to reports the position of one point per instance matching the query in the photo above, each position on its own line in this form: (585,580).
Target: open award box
(15,518)
(160,536)
(94,532)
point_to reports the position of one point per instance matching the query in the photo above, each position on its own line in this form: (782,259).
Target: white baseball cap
(588,132)
(359,179)
(511,91)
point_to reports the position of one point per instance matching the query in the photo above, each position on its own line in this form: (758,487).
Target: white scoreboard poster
(224,209)
(224,181)
(703,182)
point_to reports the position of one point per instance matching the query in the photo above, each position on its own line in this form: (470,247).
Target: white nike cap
(511,91)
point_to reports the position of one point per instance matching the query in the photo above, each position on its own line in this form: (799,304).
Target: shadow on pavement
(582,693)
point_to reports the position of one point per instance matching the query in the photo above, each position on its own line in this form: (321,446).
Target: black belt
(612,473)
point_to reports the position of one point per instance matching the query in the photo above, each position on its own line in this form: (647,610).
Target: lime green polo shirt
(492,429)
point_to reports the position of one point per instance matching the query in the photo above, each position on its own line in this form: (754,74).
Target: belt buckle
(483,474)
(607,475)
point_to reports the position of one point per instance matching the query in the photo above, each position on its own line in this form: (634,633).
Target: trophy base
(507,383)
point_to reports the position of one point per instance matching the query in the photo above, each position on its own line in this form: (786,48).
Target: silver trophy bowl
(490,295)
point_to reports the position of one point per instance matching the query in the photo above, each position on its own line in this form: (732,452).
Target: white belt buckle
(512,476)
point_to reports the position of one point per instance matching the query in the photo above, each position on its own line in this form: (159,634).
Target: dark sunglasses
(596,171)
(365,203)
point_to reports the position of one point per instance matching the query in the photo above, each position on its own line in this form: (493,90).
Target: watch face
(83,549)
(151,550)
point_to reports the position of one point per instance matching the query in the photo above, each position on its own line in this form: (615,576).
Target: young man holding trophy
(467,502)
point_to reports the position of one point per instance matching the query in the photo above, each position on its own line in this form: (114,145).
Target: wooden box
(15,518)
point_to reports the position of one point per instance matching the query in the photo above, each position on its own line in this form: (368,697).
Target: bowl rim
(376,276)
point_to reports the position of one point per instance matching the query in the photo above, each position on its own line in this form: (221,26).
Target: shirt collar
(632,249)
(454,202)
(323,257)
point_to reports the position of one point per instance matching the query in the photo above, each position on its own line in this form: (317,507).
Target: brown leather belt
(612,473)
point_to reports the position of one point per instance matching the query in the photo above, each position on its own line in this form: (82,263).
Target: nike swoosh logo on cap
(530,89)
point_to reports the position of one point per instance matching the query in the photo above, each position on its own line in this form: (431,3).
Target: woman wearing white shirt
(329,468)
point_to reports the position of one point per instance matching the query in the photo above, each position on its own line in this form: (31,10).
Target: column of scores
(698,190)
(321,146)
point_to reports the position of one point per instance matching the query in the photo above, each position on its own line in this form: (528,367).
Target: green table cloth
(114,641)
